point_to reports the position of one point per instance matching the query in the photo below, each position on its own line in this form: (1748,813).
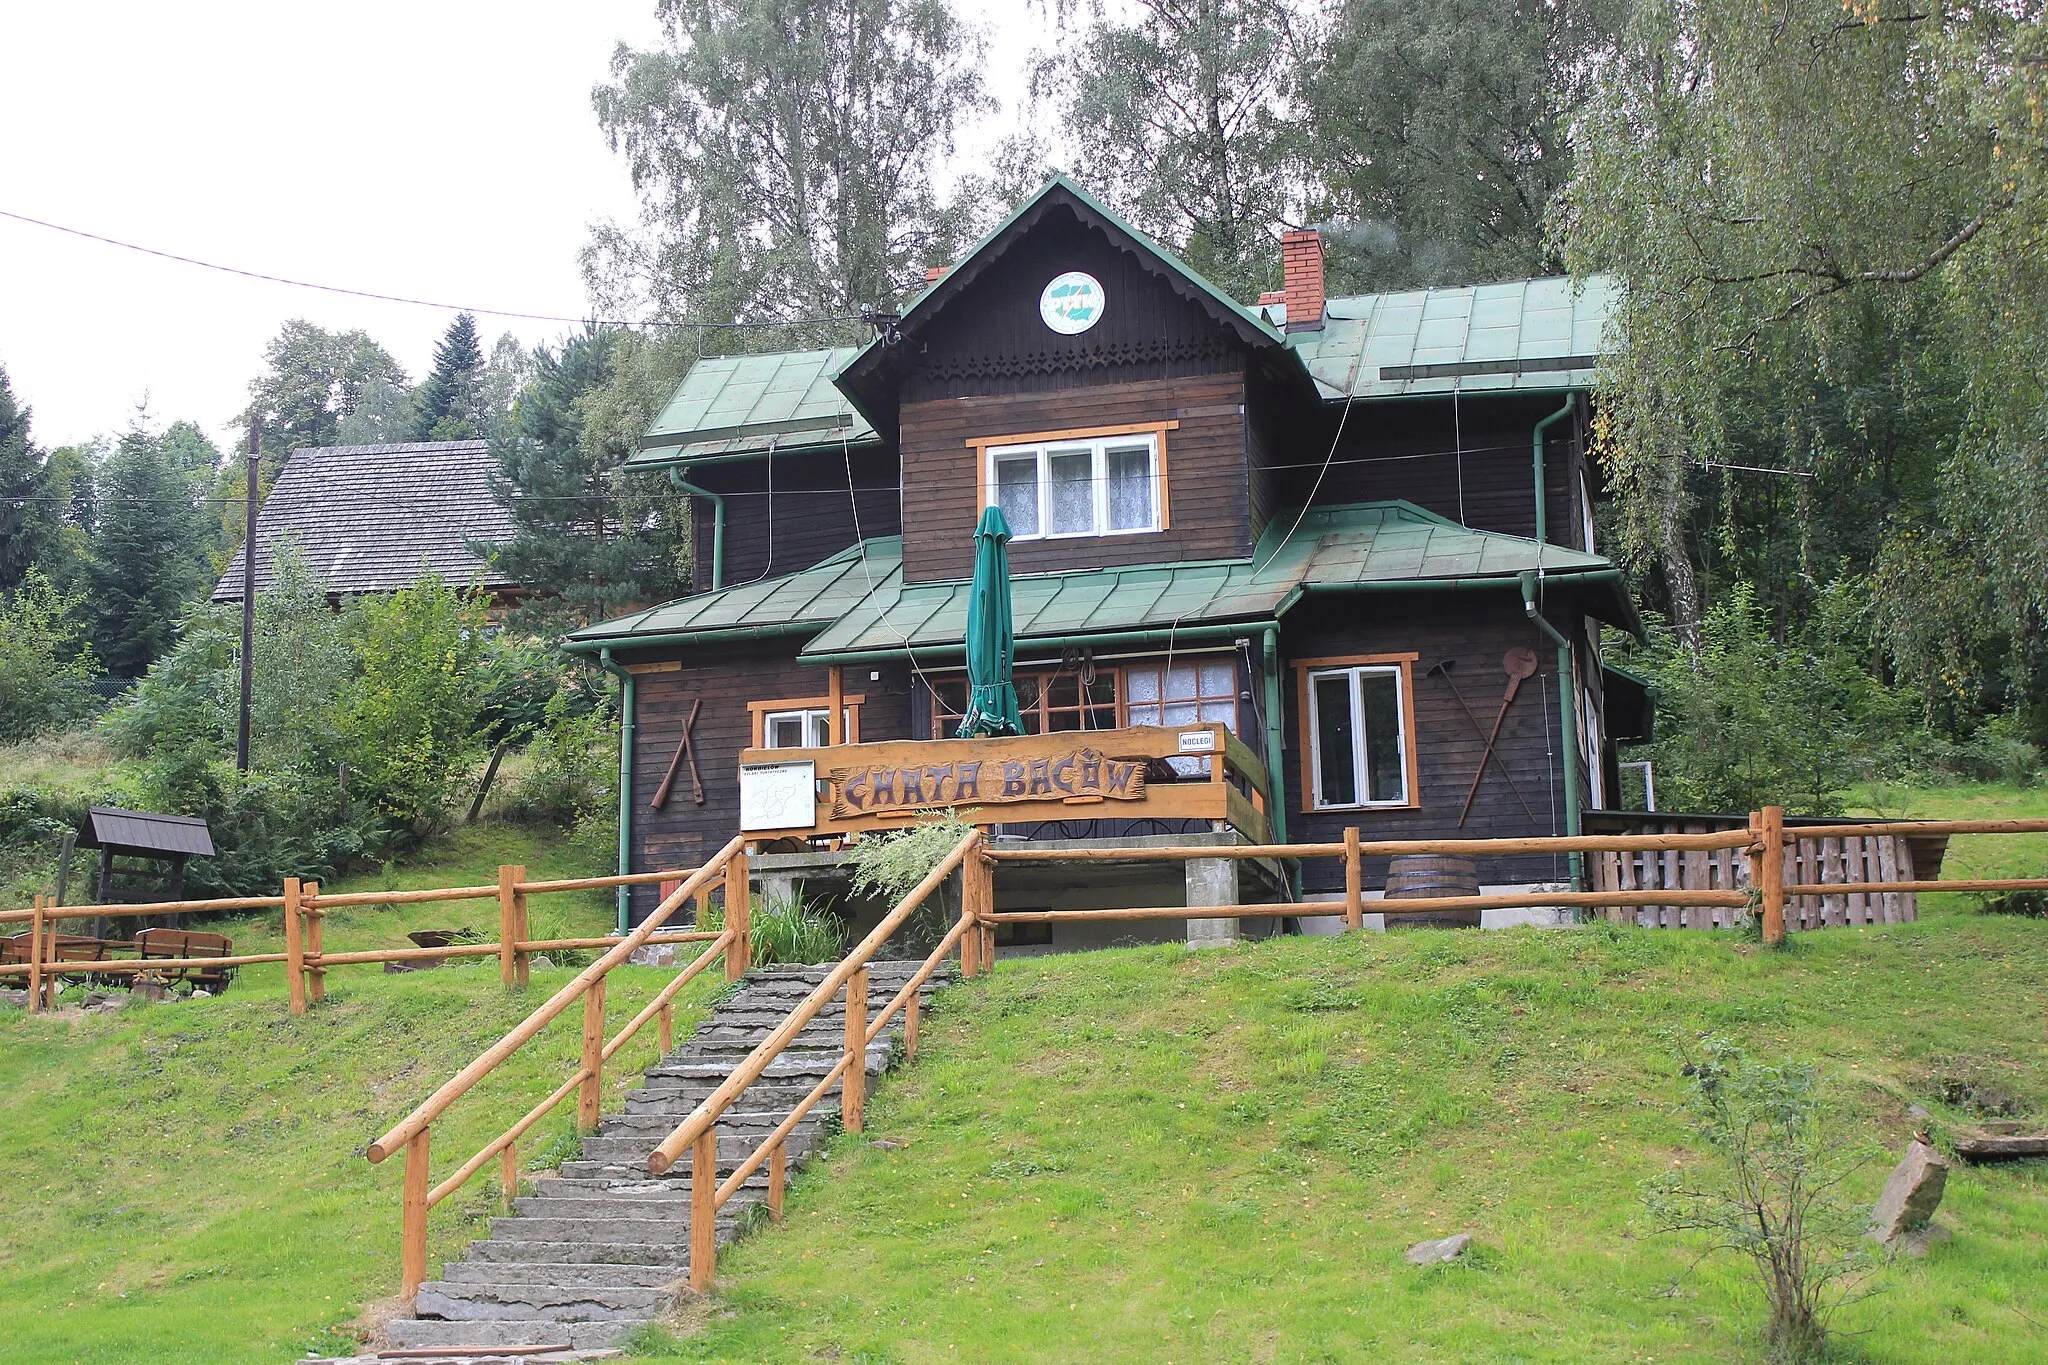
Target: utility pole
(248,598)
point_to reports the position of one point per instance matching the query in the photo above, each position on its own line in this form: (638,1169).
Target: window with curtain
(1099,487)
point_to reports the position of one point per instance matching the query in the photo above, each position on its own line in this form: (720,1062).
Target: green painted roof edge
(617,633)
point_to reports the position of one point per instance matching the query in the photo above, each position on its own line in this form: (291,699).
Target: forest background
(1823,430)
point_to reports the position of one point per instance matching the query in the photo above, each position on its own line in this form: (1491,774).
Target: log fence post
(739,904)
(910,1017)
(853,1089)
(1354,883)
(522,961)
(316,920)
(666,1023)
(37,937)
(508,926)
(778,1179)
(970,951)
(1770,872)
(508,1175)
(294,948)
(704,1209)
(413,1232)
(590,1094)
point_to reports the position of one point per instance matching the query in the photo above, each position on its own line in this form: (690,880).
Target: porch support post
(1212,881)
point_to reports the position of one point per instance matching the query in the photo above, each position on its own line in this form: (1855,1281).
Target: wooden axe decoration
(683,750)
(1518,663)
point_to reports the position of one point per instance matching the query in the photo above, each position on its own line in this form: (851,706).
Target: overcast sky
(437,149)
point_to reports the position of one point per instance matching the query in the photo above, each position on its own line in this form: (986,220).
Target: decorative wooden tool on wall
(1518,663)
(683,751)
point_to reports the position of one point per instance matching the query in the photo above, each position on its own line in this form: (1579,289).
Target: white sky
(437,149)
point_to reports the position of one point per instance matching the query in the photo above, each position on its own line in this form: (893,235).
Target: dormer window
(1078,484)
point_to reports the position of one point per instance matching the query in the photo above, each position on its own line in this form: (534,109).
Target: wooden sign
(1075,777)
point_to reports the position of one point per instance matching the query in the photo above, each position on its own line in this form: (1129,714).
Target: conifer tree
(601,540)
(145,558)
(29,520)
(451,397)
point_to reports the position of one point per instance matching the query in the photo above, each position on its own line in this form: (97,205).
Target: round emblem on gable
(1072,303)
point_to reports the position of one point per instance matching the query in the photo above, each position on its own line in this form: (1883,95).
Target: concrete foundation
(1211,881)
(1504,917)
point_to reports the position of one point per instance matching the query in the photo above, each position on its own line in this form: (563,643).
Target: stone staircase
(602,1247)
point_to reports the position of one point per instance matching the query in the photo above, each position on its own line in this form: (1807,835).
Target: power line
(399,298)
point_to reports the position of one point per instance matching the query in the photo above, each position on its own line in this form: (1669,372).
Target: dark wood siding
(1206,476)
(1469,461)
(683,833)
(1474,630)
(784,513)
(991,340)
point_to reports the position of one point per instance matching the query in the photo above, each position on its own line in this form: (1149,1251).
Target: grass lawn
(1156,1155)
(1139,1155)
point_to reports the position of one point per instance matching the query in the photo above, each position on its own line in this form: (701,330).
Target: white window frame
(1360,784)
(1097,449)
(807,716)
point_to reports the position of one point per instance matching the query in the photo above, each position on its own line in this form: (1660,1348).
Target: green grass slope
(186,1181)
(1158,1155)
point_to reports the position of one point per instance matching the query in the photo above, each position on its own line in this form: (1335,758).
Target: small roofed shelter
(374,518)
(161,843)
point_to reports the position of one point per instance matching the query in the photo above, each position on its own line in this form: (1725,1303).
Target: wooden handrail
(1375,848)
(1867,888)
(1397,906)
(1918,827)
(459,1084)
(129,908)
(714,1105)
(540,1111)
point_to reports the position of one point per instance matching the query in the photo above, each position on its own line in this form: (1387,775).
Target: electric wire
(700,324)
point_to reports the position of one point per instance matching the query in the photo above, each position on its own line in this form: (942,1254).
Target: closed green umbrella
(991,641)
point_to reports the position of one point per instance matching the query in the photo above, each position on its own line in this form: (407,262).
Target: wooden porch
(1188,772)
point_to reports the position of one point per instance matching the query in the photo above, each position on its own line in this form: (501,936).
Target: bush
(572,777)
(892,863)
(45,667)
(1778,1199)
(792,931)
(1747,720)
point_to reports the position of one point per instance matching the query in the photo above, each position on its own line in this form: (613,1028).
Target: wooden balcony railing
(1068,775)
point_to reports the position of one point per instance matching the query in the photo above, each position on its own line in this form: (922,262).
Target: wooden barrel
(1427,876)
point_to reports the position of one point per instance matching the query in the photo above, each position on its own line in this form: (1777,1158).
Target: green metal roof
(1535,335)
(747,404)
(1386,545)
(797,603)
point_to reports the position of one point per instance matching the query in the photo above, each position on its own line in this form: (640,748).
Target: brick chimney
(1301,271)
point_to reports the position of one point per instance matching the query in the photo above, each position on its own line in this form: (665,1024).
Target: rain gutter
(605,645)
(627,707)
(1275,750)
(1567,720)
(1212,631)
(679,475)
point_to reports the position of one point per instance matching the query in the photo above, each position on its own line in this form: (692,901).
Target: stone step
(543,1302)
(632,1152)
(565,1273)
(655,1127)
(545,1358)
(612,1253)
(761,1099)
(675,1208)
(643,1232)
(415,1333)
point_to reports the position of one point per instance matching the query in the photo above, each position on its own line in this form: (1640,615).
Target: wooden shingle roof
(373,518)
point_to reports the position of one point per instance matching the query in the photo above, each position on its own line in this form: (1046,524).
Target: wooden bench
(172,944)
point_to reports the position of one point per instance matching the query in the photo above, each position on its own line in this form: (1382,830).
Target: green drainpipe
(679,476)
(1568,720)
(1275,748)
(627,707)
(1571,402)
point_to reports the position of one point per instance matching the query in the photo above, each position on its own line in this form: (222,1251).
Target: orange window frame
(759,711)
(1411,761)
(984,471)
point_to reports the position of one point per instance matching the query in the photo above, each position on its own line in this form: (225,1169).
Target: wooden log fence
(1765,842)
(305,957)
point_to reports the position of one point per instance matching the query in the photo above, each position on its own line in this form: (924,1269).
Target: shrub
(45,666)
(1777,1200)
(573,765)
(793,931)
(892,863)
